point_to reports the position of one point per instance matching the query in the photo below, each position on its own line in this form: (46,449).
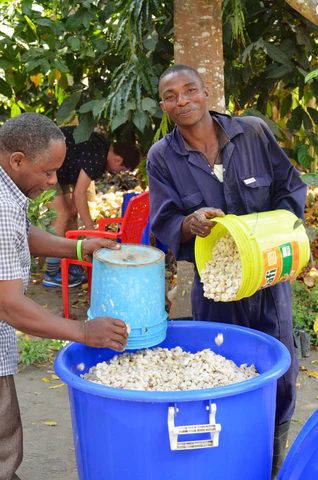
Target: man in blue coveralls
(210,165)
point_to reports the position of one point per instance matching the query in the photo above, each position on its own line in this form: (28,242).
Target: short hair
(129,152)
(29,133)
(178,67)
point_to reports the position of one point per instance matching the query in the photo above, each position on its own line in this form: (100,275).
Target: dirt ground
(48,440)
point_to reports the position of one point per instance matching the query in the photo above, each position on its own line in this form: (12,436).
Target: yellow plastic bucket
(271,250)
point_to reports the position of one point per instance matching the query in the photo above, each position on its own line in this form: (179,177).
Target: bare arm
(199,223)
(45,244)
(80,198)
(28,317)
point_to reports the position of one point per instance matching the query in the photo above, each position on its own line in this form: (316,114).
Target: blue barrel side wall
(135,294)
(122,438)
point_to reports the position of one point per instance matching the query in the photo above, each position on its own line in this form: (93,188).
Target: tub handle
(212,428)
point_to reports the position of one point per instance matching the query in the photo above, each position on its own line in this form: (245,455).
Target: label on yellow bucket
(280,264)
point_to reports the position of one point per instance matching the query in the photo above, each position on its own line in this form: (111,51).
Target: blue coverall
(181,182)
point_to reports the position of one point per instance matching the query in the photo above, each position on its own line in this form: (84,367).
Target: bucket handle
(255,225)
(211,427)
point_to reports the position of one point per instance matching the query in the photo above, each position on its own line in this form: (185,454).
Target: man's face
(183,97)
(34,178)
(115,163)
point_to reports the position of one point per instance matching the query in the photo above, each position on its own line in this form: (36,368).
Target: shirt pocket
(192,201)
(257,192)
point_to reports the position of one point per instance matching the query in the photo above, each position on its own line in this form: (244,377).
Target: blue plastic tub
(128,434)
(130,284)
(302,460)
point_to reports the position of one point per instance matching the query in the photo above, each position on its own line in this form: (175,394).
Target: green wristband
(79,250)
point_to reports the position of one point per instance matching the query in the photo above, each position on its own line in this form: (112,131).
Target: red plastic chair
(132,225)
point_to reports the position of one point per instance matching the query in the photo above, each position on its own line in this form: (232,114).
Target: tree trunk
(307,8)
(198,43)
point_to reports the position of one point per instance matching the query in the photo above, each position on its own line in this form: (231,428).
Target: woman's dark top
(91,156)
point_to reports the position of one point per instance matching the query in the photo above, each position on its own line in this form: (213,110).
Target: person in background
(32,149)
(84,162)
(210,165)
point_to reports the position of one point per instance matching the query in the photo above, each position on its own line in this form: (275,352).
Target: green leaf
(97,94)
(15,110)
(39,64)
(51,78)
(307,121)
(84,129)
(289,152)
(311,231)
(272,125)
(31,25)
(25,107)
(99,107)
(67,108)
(45,22)
(276,54)
(227,33)
(5,89)
(311,75)
(51,42)
(118,120)
(141,119)
(149,105)
(310,179)
(19,80)
(100,44)
(302,155)
(77,19)
(87,52)
(5,63)
(129,106)
(151,40)
(303,38)
(74,43)
(286,105)
(9,78)
(26,7)
(63,81)
(95,106)
(279,71)
(60,65)
(294,124)
(47,197)
(314,114)
(247,51)
(163,128)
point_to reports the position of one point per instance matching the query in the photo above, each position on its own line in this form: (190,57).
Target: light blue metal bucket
(130,284)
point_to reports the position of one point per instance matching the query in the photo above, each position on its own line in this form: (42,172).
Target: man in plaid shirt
(32,148)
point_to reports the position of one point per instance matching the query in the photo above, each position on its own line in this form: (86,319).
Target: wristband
(79,250)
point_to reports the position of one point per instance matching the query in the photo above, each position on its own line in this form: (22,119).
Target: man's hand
(199,223)
(88,246)
(105,332)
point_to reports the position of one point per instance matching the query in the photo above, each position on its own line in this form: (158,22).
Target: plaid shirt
(15,259)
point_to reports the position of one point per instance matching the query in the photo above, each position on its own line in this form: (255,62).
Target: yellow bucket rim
(203,251)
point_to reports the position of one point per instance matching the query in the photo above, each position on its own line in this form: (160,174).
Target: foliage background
(100,61)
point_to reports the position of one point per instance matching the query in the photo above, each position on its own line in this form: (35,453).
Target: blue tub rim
(74,381)
(127,246)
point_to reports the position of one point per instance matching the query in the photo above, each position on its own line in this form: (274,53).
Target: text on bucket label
(280,264)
